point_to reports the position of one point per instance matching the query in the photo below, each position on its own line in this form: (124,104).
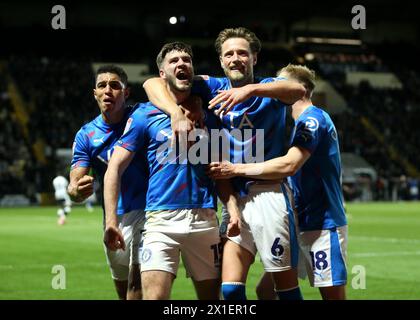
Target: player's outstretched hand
(229,98)
(113,238)
(234,227)
(221,170)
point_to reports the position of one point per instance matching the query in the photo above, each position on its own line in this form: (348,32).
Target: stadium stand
(46,94)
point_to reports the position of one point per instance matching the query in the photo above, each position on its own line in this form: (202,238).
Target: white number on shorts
(319,260)
(277,249)
(217,251)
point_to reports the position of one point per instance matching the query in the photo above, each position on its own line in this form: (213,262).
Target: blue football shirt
(174,182)
(92,148)
(255,127)
(317,185)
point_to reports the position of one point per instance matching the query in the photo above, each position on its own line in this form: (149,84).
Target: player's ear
(94,94)
(162,74)
(255,58)
(221,61)
(126,92)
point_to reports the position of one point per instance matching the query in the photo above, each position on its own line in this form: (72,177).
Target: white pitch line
(45,265)
(385,254)
(385,239)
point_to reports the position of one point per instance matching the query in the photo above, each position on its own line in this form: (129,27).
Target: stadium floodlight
(173,20)
(309,56)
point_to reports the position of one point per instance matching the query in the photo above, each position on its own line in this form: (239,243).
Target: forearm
(270,170)
(73,187)
(286,91)
(227,196)
(158,95)
(112,182)
(276,168)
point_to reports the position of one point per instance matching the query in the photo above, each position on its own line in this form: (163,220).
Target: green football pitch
(383,255)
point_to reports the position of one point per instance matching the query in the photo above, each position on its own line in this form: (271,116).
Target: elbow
(296,93)
(300,92)
(291,169)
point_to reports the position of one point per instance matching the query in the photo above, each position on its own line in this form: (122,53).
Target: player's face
(238,61)
(110,92)
(177,70)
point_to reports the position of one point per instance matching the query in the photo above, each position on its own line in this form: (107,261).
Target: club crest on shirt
(312,124)
(128,125)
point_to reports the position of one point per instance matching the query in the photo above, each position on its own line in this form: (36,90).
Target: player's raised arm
(119,161)
(227,196)
(159,95)
(81,184)
(273,169)
(286,91)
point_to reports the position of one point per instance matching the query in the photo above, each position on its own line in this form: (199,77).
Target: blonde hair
(301,74)
(254,42)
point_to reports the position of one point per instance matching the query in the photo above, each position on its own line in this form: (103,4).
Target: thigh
(156,285)
(134,283)
(245,239)
(119,260)
(160,251)
(201,247)
(272,225)
(134,237)
(236,262)
(325,256)
(118,263)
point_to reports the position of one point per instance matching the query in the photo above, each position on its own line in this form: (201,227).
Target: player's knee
(233,291)
(134,293)
(149,294)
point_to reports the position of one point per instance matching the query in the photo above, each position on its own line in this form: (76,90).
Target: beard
(176,84)
(237,76)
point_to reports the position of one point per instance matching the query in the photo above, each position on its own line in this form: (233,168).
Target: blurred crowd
(58,94)
(394,113)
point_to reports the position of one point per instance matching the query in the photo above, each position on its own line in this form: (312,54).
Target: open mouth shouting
(183,76)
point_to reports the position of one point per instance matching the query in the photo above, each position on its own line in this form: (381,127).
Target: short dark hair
(168,47)
(113,69)
(241,32)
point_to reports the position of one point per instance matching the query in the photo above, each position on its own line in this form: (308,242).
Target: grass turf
(384,239)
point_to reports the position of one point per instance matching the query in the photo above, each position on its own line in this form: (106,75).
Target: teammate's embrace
(313,162)
(180,210)
(257,105)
